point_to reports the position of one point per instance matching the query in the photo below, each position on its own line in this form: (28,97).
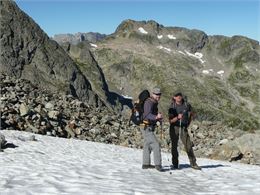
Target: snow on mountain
(221,72)
(205,71)
(93,45)
(52,165)
(159,36)
(181,52)
(165,48)
(141,29)
(171,37)
(196,55)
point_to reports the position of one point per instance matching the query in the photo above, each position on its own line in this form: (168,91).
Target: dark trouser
(174,134)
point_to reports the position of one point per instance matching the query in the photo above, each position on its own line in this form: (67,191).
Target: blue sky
(230,17)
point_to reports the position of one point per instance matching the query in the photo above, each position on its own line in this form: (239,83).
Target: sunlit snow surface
(53,165)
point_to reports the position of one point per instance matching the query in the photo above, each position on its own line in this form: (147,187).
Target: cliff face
(27,52)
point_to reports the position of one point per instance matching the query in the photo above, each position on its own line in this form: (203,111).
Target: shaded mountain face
(86,62)
(78,37)
(27,52)
(219,75)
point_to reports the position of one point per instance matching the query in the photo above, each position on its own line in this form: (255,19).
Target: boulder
(245,149)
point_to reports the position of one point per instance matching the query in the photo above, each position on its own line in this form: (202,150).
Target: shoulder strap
(173,104)
(148,99)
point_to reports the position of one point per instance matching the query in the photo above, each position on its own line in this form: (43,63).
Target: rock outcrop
(2,142)
(78,37)
(27,52)
(244,149)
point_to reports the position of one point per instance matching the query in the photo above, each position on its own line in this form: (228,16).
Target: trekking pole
(180,122)
(180,128)
(161,136)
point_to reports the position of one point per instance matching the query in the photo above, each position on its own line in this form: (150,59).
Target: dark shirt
(176,109)
(150,110)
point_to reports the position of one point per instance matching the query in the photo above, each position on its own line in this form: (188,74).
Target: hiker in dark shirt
(150,117)
(180,116)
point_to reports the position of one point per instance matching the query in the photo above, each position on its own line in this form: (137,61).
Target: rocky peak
(78,37)
(155,33)
(27,52)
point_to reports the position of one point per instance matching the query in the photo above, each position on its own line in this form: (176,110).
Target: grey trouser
(151,144)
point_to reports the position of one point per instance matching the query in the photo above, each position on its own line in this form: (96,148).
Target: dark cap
(178,94)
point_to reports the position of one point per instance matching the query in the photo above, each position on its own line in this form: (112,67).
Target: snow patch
(127,97)
(196,55)
(171,37)
(159,36)
(199,55)
(141,29)
(181,52)
(53,165)
(205,71)
(221,72)
(93,45)
(208,71)
(165,48)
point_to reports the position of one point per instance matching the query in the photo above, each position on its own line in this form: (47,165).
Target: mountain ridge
(76,38)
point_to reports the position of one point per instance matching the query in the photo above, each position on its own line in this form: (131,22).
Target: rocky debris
(207,135)
(2,141)
(244,149)
(25,107)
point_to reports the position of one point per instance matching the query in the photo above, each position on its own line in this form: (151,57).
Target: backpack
(138,109)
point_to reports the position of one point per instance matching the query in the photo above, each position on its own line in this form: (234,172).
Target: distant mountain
(220,75)
(78,37)
(27,52)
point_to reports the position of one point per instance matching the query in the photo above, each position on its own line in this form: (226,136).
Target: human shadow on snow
(185,166)
(9,145)
(213,166)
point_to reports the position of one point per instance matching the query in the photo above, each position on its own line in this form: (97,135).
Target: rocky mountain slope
(220,75)
(27,52)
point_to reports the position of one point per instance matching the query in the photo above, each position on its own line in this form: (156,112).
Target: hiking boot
(158,168)
(175,166)
(148,166)
(195,166)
